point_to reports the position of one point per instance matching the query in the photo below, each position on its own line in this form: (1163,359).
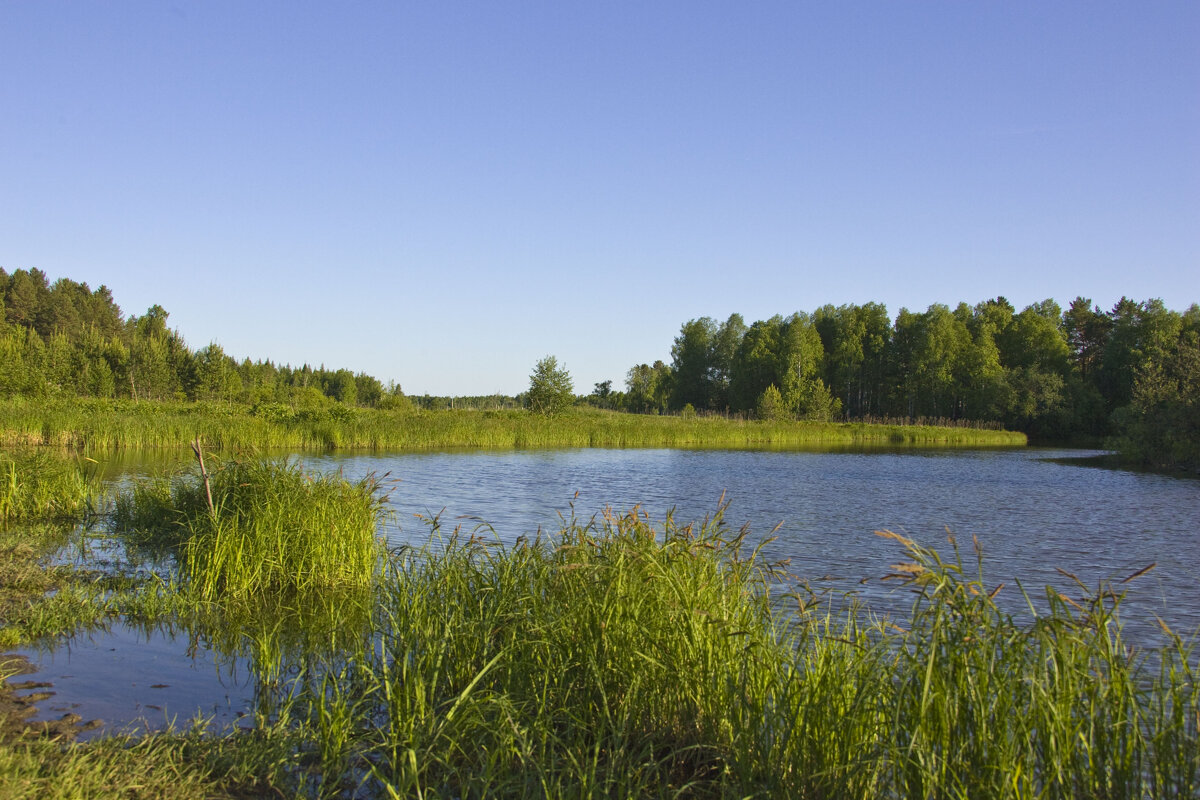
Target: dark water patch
(136,680)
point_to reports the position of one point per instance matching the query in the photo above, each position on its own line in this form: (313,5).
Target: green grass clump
(182,765)
(1057,707)
(42,485)
(271,527)
(602,663)
(618,659)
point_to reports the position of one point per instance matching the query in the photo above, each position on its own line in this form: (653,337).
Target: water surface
(1029,511)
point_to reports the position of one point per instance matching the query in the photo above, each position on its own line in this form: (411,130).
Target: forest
(1127,378)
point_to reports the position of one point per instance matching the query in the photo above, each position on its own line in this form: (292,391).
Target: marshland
(488,623)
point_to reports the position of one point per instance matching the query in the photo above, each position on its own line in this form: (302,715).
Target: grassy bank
(102,425)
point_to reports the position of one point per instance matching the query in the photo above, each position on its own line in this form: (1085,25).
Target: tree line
(1130,375)
(65,339)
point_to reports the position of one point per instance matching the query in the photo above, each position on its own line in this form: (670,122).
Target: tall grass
(621,658)
(618,659)
(272,527)
(41,485)
(105,425)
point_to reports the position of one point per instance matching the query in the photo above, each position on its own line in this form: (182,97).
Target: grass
(621,660)
(176,764)
(614,658)
(108,425)
(271,527)
(43,485)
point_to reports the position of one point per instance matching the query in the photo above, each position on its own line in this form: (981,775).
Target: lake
(1030,512)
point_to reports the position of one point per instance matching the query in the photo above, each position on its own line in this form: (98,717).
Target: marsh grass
(1059,707)
(614,658)
(44,485)
(180,764)
(625,659)
(108,425)
(273,527)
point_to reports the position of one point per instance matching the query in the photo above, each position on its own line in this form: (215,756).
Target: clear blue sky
(442,193)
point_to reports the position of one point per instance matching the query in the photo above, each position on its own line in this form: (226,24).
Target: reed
(43,485)
(107,425)
(272,527)
(624,659)
(618,657)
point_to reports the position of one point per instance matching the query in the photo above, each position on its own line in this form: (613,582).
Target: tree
(691,363)
(550,387)
(647,388)
(724,355)
(770,406)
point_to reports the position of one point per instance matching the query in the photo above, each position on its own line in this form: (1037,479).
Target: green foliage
(41,485)
(1055,374)
(770,406)
(272,527)
(814,402)
(64,339)
(550,388)
(1079,374)
(619,658)
(648,388)
(1161,425)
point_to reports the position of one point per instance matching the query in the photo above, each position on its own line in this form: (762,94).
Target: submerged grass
(271,527)
(43,599)
(106,425)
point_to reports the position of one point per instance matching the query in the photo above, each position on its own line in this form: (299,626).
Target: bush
(550,388)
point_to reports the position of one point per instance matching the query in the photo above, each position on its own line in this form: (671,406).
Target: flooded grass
(620,657)
(43,485)
(270,527)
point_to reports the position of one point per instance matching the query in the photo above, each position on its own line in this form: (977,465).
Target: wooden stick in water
(204,474)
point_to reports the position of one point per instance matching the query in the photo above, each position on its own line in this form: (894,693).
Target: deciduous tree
(550,387)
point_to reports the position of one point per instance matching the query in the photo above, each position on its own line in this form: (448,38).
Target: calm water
(1029,513)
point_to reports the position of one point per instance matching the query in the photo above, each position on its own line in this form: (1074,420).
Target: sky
(440,194)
